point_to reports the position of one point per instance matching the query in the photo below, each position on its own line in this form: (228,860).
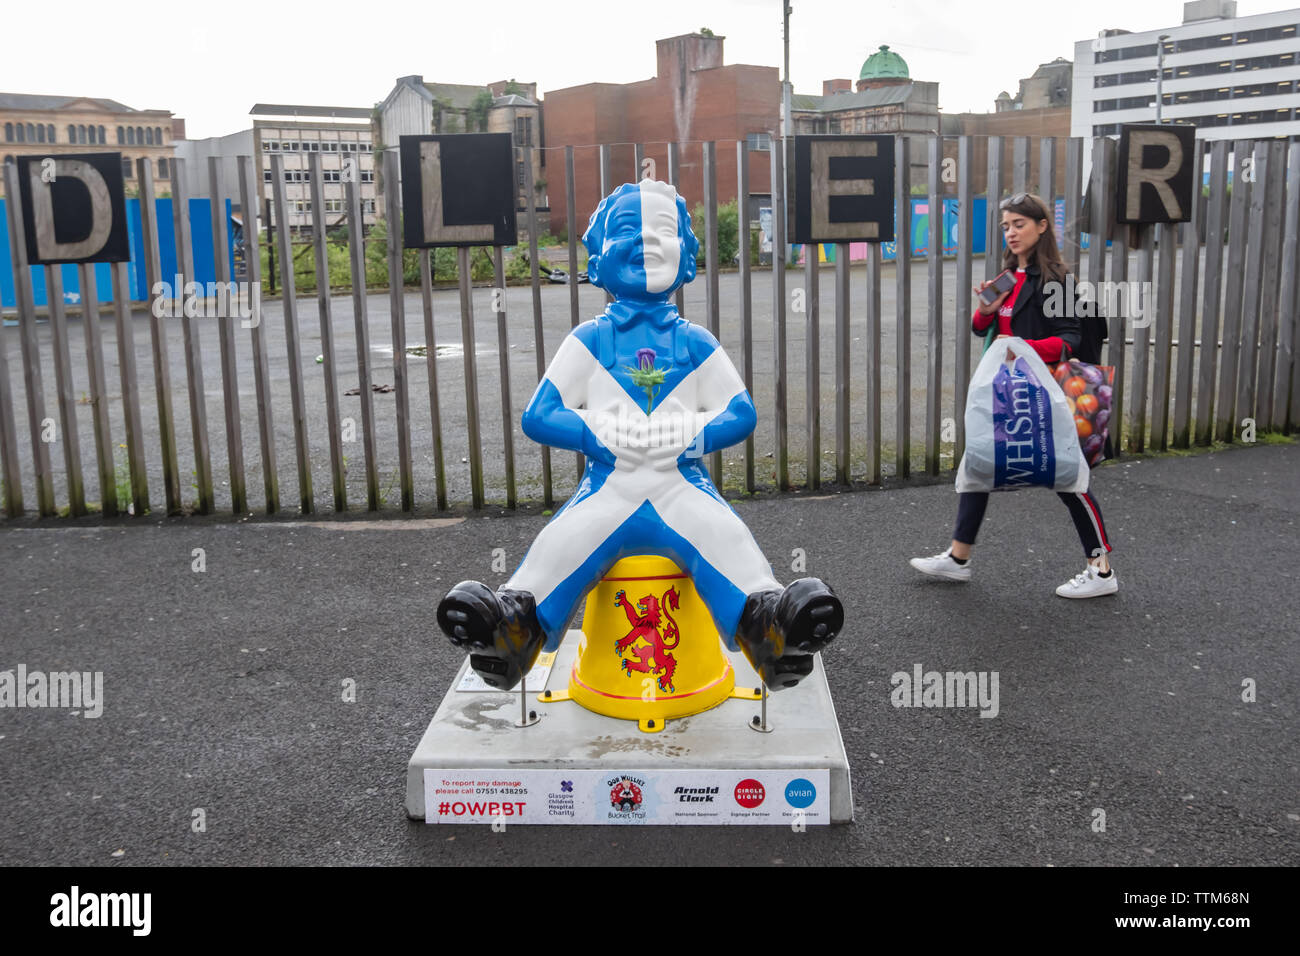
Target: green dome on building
(884,65)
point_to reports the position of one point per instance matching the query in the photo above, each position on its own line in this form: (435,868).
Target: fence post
(1137,421)
(158,332)
(1073,190)
(361,320)
(1047,175)
(1164,335)
(9,469)
(290,303)
(606,186)
(1285,395)
(471,377)
(962,328)
(993,228)
(539,342)
(130,389)
(98,390)
(570,193)
(903,314)
(1269,297)
(711,270)
(397,315)
(321,252)
(1216,210)
(843,341)
(226,338)
(503,359)
(248,190)
(873,363)
(746,295)
(1103,213)
(68,437)
(1247,372)
(674,177)
(781,452)
(1226,400)
(1189,273)
(190,335)
(1020,164)
(934,317)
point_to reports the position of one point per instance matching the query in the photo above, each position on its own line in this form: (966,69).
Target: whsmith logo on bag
(1022,429)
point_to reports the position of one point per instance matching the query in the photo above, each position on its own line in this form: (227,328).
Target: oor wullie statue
(644,394)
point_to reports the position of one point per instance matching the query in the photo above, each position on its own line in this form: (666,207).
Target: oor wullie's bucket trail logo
(654,654)
(625,794)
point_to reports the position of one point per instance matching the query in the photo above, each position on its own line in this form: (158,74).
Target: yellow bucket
(649,650)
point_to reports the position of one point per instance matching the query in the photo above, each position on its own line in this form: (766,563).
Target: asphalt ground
(222,689)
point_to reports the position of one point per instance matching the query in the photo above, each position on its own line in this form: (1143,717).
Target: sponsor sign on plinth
(630,797)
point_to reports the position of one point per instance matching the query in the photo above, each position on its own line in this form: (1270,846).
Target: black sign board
(458,190)
(74,208)
(843,189)
(1154,173)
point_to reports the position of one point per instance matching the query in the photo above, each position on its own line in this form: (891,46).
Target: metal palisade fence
(1210,358)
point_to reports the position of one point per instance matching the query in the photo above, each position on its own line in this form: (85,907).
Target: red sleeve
(1051,349)
(980,322)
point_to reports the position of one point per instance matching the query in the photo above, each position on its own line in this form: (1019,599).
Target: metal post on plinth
(759,721)
(526,717)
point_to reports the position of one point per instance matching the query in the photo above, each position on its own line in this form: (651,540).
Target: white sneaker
(1089,583)
(943,566)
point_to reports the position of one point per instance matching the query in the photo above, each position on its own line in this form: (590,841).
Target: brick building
(36,125)
(1036,124)
(692,98)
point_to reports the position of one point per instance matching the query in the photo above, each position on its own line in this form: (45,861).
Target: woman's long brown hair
(1045,255)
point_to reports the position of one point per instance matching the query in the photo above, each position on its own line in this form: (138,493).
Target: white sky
(210,62)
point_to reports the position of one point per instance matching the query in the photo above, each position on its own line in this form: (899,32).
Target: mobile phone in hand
(1004,282)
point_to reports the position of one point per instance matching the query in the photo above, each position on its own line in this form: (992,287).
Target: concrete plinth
(475,730)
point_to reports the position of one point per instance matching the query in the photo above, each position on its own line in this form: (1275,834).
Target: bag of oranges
(1088,390)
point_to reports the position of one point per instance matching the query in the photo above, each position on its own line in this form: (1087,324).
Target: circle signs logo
(750,793)
(800,793)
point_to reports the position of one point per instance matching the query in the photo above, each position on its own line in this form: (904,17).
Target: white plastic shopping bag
(1020,431)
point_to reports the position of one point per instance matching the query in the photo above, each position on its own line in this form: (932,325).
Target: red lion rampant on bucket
(653,655)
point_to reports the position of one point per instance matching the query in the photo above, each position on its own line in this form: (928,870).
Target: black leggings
(1083,509)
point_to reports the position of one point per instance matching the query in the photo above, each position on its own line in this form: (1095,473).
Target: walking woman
(1031,251)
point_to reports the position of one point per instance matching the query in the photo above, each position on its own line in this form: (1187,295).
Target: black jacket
(1030,318)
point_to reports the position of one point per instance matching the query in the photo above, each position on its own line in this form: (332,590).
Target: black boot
(780,631)
(499,628)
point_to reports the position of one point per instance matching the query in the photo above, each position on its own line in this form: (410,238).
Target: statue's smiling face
(642,248)
(661,247)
